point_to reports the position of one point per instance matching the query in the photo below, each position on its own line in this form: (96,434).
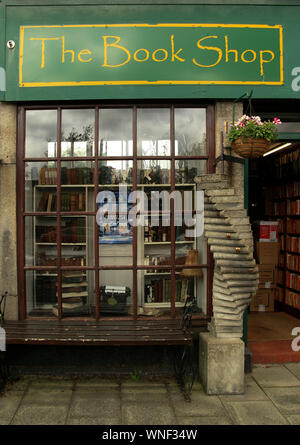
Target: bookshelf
(155,241)
(283,205)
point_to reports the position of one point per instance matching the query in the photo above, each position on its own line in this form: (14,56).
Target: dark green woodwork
(242,39)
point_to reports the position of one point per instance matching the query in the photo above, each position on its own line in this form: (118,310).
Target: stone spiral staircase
(228,232)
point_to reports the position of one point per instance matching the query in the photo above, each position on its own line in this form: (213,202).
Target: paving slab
(205,421)
(255,413)
(200,404)
(152,413)
(94,421)
(35,414)
(50,396)
(101,403)
(294,368)
(269,376)
(287,400)
(51,382)
(144,393)
(252,392)
(294,419)
(9,403)
(96,382)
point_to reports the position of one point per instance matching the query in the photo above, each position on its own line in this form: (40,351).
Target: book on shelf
(47,203)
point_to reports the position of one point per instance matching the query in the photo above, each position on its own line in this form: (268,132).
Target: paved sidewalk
(272,397)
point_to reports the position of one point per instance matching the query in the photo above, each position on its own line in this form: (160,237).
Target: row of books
(279,294)
(287,166)
(293,189)
(293,244)
(293,225)
(293,262)
(289,190)
(293,207)
(292,298)
(70,202)
(159,291)
(292,280)
(46,260)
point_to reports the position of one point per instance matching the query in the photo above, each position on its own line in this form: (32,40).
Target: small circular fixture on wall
(11,44)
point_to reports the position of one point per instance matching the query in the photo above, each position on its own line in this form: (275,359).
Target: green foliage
(136,375)
(253,127)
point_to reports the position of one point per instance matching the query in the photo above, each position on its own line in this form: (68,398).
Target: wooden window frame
(22,213)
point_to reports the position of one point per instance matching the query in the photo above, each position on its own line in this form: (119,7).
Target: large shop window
(84,250)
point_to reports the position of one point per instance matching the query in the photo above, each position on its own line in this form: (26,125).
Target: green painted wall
(41,13)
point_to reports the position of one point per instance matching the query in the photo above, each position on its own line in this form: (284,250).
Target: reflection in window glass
(190,131)
(41,134)
(153,132)
(77,133)
(115,132)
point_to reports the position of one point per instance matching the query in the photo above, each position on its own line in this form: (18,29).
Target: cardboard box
(267,253)
(268,231)
(263,301)
(266,274)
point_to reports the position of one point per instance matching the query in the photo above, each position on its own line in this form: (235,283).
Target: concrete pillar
(221,364)
(8,228)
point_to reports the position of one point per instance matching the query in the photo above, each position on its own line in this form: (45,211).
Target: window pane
(190,131)
(41,289)
(41,241)
(77,138)
(153,132)
(77,239)
(115,132)
(115,292)
(154,172)
(40,186)
(41,134)
(115,172)
(186,170)
(77,172)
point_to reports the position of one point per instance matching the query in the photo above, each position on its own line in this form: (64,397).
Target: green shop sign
(144,54)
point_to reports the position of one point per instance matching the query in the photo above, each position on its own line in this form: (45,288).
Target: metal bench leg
(184,368)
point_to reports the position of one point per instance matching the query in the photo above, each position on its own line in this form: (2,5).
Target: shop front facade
(101,103)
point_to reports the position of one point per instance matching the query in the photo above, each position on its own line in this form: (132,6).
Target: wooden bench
(110,332)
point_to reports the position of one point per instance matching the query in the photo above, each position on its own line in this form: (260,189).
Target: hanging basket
(250,148)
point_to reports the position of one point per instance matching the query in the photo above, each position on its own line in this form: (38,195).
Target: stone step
(241,278)
(240,213)
(224,242)
(211,177)
(221,235)
(213,185)
(210,206)
(236,265)
(227,249)
(229,317)
(236,221)
(225,199)
(229,323)
(220,192)
(217,221)
(217,228)
(228,310)
(247,284)
(229,305)
(234,257)
(228,206)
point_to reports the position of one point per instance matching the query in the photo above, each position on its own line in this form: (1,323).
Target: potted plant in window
(250,137)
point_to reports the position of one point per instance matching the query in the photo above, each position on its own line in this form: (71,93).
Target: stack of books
(74,294)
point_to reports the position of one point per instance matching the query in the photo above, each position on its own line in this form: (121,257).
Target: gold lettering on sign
(209,48)
(262,60)
(114,45)
(43,39)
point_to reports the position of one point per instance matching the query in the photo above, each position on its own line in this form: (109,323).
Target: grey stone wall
(8,226)
(235,171)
